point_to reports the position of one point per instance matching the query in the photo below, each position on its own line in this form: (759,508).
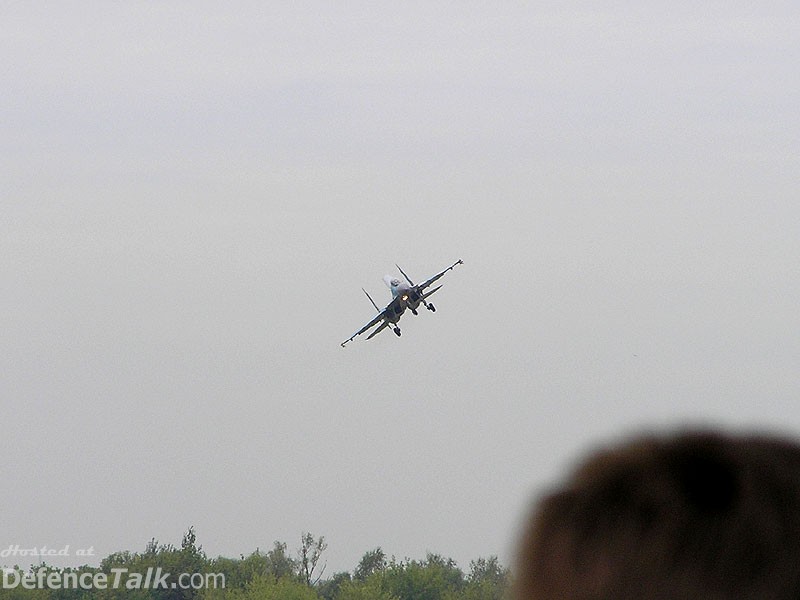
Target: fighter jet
(404,296)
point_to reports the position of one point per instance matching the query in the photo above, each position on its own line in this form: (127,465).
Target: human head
(693,515)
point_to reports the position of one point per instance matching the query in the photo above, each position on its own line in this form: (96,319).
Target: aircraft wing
(374,321)
(428,282)
(395,308)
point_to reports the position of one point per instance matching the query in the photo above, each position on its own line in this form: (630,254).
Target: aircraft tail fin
(430,292)
(404,274)
(383,326)
(371,300)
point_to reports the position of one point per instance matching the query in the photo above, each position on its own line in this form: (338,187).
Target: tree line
(276,574)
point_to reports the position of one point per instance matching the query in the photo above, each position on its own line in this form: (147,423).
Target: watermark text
(118,578)
(15,550)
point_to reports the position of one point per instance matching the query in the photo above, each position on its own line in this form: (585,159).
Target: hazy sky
(194,193)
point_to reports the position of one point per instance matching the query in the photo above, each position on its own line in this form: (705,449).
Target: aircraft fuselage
(406,294)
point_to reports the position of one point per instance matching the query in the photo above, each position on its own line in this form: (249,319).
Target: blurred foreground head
(702,515)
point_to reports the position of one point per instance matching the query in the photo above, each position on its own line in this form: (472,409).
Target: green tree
(285,588)
(369,589)
(435,578)
(373,561)
(275,575)
(19,592)
(309,555)
(279,563)
(329,589)
(189,559)
(275,564)
(487,580)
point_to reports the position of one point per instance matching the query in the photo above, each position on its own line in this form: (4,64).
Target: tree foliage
(308,558)
(273,575)
(372,562)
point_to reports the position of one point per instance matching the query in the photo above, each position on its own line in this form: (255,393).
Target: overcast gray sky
(193,194)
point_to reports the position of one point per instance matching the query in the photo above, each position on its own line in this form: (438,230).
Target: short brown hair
(693,515)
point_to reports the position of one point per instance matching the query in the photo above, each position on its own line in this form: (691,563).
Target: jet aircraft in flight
(404,296)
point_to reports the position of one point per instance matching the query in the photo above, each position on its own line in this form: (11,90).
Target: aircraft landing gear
(397,331)
(414,311)
(431,307)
